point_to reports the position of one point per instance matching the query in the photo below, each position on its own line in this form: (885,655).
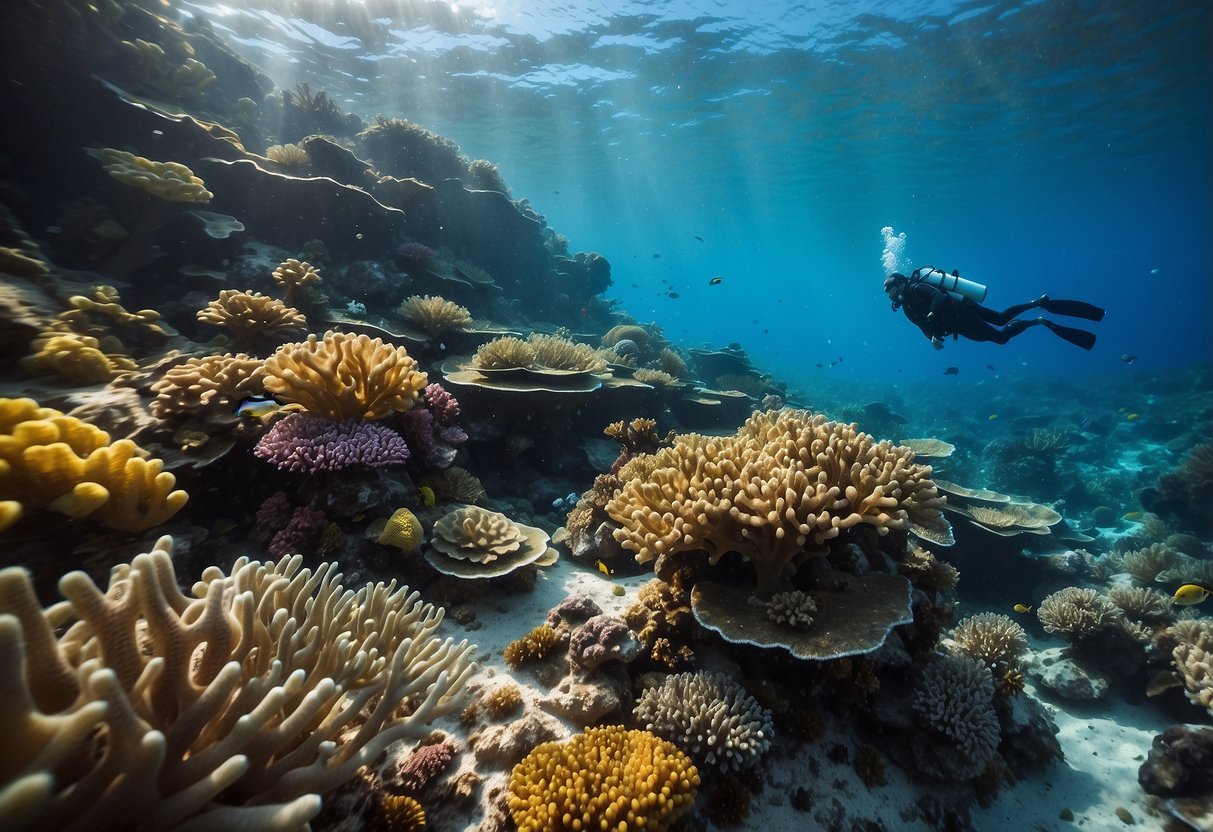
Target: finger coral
(167,180)
(783,485)
(608,778)
(49,460)
(345,376)
(710,717)
(252,318)
(235,708)
(305,443)
(434,314)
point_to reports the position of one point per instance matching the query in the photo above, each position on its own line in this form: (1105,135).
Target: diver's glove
(937,343)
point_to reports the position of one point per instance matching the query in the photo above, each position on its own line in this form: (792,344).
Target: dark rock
(1180,763)
(1029,734)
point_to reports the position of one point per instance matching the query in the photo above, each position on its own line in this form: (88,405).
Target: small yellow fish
(1190,594)
(1132,417)
(222,526)
(1133,515)
(604,569)
(256,407)
(1021,608)
(991,417)
(427,495)
(359,517)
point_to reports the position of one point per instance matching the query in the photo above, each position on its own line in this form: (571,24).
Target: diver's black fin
(1073,309)
(1077,337)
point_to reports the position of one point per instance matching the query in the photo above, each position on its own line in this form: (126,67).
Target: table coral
(345,376)
(49,460)
(776,491)
(224,710)
(605,778)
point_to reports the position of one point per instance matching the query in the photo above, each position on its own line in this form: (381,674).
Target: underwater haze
(1050,147)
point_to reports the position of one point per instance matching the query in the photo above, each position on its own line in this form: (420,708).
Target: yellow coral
(783,485)
(49,460)
(76,357)
(503,353)
(403,530)
(434,313)
(345,376)
(292,275)
(251,317)
(535,645)
(399,813)
(606,778)
(168,180)
(213,381)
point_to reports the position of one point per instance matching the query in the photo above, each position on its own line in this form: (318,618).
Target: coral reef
(710,717)
(252,319)
(609,778)
(1078,611)
(345,376)
(213,382)
(778,489)
(305,443)
(230,703)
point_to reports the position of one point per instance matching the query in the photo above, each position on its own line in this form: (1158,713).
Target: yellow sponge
(403,530)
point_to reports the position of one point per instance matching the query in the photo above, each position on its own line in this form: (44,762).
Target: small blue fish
(256,407)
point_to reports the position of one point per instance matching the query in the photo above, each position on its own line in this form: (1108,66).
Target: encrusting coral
(252,318)
(606,778)
(402,530)
(49,460)
(776,491)
(167,180)
(710,717)
(434,314)
(345,376)
(235,708)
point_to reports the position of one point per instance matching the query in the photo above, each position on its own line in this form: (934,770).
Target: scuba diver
(942,304)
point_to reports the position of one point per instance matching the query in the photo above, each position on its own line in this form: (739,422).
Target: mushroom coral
(787,482)
(345,376)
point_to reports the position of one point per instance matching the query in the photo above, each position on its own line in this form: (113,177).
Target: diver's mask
(897,282)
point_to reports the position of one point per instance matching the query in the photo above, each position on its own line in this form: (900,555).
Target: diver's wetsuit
(938,314)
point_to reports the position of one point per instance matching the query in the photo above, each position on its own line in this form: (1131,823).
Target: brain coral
(605,779)
(709,716)
(785,483)
(345,376)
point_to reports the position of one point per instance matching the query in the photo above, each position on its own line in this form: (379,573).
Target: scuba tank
(953,284)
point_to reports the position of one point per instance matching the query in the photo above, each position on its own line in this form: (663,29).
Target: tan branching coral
(473,542)
(57,462)
(955,701)
(213,382)
(252,318)
(657,378)
(292,276)
(709,716)
(536,645)
(434,314)
(140,707)
(992,639)
(1193,657)
(776,491)
(105,303)
(662,620)
(672,363)
(607,778)
(345,376)
(1141,603)
(79,358)
(504,353)
(925,570)
(1145,565)
(553,352)
(1078,611)
(167,180)
(793,609)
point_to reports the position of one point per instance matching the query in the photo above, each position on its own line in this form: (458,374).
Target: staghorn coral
(1141,603)
(345,376)
(78,358)
(434,314)
(608,778)
(709,716)
(292,276)
(215,383)
(776,491)
(473,542)
(305,443)
(227,710)
(252,319)
(992,639)
(1078,611)
(954,700)
(536,645)
(169,181)
(49,460)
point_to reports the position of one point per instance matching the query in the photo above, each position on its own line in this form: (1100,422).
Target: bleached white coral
(710,717)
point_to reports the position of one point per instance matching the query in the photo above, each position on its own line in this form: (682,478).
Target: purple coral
(301,534)
(418,427)
(272,517)
(602,639)
(423,765)
(415,254)
(442,404)
(306,443)
(574,608)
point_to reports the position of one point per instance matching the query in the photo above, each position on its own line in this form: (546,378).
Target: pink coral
(306,443)
(418,427)
(442,404)
(423,765)
(301,533)
(602,639)
(272,517)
